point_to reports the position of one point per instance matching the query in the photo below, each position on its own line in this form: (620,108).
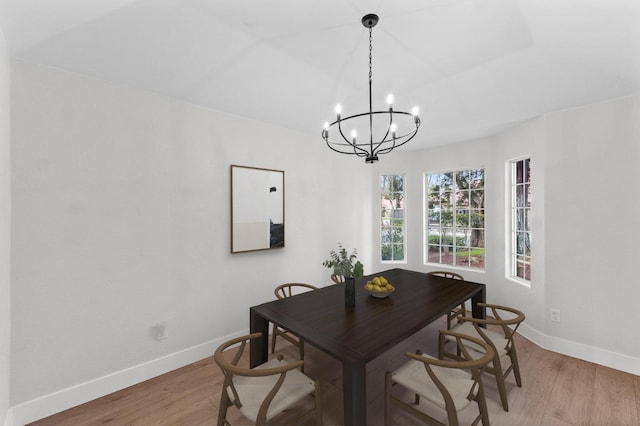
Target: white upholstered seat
(498,339)
(252,391)
(263,392)
(450,385)
(412,375)
(506,320)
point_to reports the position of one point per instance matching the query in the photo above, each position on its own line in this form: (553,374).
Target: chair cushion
(467,328)
(413,376)
(253,390)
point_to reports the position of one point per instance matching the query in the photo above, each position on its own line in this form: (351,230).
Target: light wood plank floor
(557,390)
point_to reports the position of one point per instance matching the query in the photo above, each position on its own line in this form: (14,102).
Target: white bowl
(379,294)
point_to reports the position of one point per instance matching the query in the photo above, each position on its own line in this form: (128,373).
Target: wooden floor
(557,390)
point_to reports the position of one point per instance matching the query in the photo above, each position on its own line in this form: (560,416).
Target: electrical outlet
(161,331)
(555,315)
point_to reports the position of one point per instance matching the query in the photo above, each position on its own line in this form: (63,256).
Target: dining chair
(262,393)
(283,291)
(458,310)
(450,385)
(502,323)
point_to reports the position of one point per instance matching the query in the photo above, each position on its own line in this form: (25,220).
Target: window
(455,218)
(392,223)
(521,219)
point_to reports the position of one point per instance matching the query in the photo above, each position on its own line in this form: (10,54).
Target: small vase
(349,292)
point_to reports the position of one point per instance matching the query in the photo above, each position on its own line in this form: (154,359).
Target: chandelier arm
(389,149)
(416,118)
(340,131)
(362,114)
(355,146)
(342,152)
(384,138)
(325,132)
(330,143)
(412,132)
(363,152)
(359,154)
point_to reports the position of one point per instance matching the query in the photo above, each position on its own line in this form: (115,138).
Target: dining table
(356,335)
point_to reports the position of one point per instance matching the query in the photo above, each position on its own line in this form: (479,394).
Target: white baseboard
(532,334)
(56,402)
(593,354)
(8,420)
(67,398)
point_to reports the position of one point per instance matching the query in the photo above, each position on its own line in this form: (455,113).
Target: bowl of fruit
(379,287)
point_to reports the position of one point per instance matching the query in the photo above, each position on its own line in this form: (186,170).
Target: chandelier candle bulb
(390,100)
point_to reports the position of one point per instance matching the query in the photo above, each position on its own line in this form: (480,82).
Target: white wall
(121,208)
(5,232)
(592,212)
(585,234)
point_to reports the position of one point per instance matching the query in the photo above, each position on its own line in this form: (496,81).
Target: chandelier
(388,129)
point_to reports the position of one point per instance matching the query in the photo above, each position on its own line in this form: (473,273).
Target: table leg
(354,396)
(479,297)
(259,347)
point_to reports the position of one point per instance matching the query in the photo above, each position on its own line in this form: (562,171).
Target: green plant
(392,252)
(344,264)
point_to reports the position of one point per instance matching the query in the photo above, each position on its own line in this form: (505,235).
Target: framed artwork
(257,209)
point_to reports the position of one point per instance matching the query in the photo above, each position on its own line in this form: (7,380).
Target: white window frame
(514,209)
(454,226)
(404,221)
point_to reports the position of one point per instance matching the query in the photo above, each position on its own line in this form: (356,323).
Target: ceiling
(475,67)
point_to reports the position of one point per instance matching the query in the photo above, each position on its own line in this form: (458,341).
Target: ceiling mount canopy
(388,129)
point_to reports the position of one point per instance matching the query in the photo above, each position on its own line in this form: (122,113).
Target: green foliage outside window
(392,224)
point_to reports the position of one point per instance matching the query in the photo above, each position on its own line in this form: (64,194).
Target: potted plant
(347,266)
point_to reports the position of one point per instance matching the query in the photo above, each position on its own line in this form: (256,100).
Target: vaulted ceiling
(475,67)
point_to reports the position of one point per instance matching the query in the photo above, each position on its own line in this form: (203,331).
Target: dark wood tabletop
(357,335)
